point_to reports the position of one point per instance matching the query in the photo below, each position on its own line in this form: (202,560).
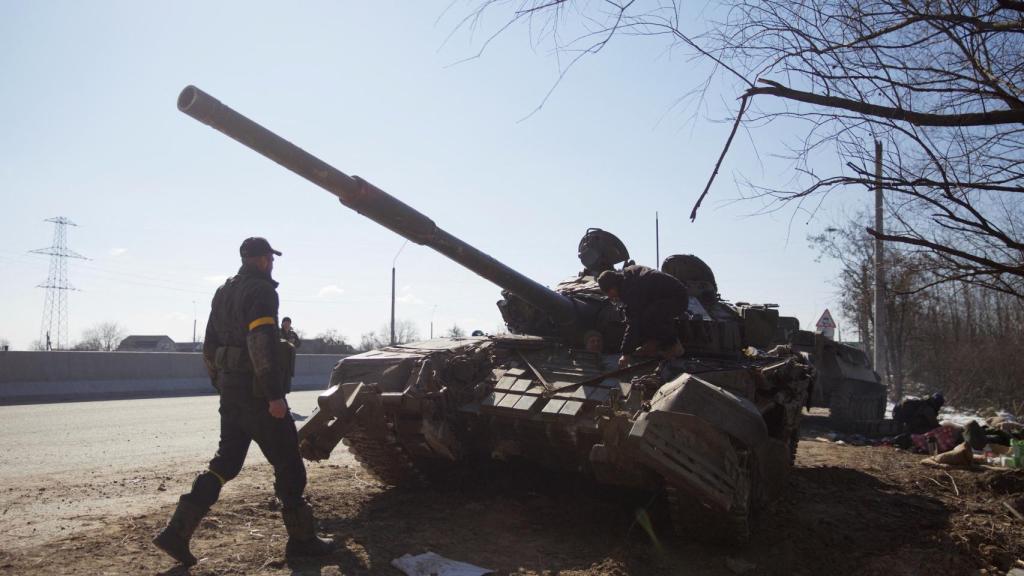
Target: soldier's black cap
(256,246)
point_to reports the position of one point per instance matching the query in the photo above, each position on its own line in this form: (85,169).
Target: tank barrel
(372,202)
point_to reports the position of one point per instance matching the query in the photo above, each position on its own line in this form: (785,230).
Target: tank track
(385,459)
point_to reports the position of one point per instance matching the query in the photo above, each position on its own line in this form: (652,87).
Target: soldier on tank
(240,352)
(653,300)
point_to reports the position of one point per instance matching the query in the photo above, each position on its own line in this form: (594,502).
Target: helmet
(693,272)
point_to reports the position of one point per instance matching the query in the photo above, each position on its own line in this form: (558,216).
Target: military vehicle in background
(715,430)
(845,384)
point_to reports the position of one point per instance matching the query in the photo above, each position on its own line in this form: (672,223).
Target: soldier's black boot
(175,537)
(302,538)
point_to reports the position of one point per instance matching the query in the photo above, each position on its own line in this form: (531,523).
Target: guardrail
(35,377)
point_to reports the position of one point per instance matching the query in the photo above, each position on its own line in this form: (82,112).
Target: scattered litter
(739,566)
(943,439)
(431,564)
(845,439)
(962,456)
(1016,507)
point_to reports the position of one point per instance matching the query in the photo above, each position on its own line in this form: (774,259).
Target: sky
(386,90)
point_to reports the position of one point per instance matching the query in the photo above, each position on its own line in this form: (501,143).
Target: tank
(846,384)
(713,431)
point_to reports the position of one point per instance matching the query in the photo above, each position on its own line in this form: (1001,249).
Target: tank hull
(717,435)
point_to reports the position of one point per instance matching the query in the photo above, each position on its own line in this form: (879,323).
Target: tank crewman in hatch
(653,300)
(240,356)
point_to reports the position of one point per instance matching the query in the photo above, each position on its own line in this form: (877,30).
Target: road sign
(826,324)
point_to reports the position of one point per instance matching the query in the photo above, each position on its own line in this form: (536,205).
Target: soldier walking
(241,357)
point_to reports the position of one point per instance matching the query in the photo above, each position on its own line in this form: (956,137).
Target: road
(83,488)
(64,466)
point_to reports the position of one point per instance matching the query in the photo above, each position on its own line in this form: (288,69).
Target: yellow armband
(260,322)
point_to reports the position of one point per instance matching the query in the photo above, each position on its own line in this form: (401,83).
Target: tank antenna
(657,242)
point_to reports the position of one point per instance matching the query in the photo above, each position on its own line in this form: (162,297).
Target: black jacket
(243,326)
(641,287)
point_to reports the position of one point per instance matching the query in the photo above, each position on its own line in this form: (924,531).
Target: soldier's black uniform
(242,358)
(653,300)
(240,351)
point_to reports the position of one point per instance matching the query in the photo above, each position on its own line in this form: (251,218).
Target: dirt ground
(849,510)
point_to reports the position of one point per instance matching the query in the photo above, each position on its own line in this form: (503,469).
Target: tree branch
(917,118)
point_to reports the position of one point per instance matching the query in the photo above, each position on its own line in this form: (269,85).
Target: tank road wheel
(737,529)
(839,405)
(385,460)
(693,520)
(855,402)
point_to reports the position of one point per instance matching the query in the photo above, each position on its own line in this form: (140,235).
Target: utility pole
(393,263)
(393,304)
(55,307)
(881,364)
(657,242)
(193,322)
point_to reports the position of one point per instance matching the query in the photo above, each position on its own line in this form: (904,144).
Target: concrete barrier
(33,377)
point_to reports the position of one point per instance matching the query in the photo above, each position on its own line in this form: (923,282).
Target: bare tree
(104,336)
(455,332)
(331,337)
(327,342)
(851,246)
(940,83)
(405,332)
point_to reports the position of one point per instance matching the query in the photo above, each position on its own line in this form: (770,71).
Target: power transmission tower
(55,308)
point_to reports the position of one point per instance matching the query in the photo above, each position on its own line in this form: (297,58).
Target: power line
(55,307)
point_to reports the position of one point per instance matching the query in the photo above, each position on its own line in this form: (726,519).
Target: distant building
(188,346)
(318,346)
(139,343)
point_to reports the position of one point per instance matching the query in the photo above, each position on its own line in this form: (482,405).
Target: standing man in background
(288,334)
(289,345)
(241,357)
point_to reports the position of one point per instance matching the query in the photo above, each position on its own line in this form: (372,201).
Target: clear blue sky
(91,132)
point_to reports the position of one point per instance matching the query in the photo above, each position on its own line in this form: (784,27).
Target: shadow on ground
(833,520)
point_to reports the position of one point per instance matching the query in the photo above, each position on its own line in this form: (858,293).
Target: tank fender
(736,416)
(701,417)
(339,409)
